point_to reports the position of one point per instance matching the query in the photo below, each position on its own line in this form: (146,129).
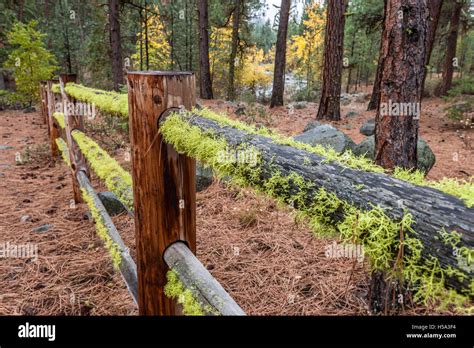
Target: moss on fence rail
(379,234)
(460,188)
(62,146)
(111,246)
(107,168)
(117,103)
(59,117)
(102,231)
(110,102)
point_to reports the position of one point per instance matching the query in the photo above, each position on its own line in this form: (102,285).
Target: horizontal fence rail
(411,229)
(68,139)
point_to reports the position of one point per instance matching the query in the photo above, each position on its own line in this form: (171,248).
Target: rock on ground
(328,136)
(425,156)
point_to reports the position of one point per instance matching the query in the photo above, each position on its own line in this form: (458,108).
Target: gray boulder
(368,128)
(328,136)
(425,156)
(204,177)
(311,125)
(345,99)
(300,105)
(111,203)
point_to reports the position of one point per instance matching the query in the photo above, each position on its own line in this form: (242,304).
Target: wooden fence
(416,232)
(164,196)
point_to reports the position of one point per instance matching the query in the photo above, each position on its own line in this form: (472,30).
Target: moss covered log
(117,103)
(370,208)
(107,231)
(106,168)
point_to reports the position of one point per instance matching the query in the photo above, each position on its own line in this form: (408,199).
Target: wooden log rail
(432,232)
(297,176)
(205,291)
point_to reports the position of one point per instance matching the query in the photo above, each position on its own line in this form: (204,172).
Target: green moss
(62,146)
(56,88)
(176,290)
(457,188)
(59,117)
(110,102)
(107,168)
(117,103)
(102,232)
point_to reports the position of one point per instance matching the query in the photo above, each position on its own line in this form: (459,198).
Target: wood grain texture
(128,268)
(163,182)
(52,127)
(432,209)
(72,122)
(197,278)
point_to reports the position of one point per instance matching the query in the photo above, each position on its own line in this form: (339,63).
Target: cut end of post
(161,73)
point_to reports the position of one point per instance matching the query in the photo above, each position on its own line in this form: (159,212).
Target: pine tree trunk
(329,105)
(451,43)
(280,55)
(233,54)
(205,82)
(404,49)
(375,97)
(115,42)
(349,74)
(434,6)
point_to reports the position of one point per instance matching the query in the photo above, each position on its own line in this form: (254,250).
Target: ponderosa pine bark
(404,49)
(451,44)
(205,82)
(280,55)
(115,42)
(329,104)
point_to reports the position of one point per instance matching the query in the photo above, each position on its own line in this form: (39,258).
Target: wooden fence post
(163,182)
(44,102)
(72,121)
(52,129)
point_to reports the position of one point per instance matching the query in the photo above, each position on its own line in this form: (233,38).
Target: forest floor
(270,263)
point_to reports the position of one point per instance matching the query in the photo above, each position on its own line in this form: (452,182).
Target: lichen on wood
(107,168)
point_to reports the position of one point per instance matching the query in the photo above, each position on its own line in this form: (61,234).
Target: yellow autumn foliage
(159,49)
(305,51)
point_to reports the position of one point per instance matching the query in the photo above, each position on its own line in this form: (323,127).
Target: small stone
(300,105)
(204,177)
(240,110)
(42,228)
(29,109)
(368,128)
(111,203)
(25,218)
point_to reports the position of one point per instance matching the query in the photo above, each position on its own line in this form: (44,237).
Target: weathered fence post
(72,121)
(163,182)
(44,102)
(52,129)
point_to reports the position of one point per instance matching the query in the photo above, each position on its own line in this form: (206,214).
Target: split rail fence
(431,231)
(164,193)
